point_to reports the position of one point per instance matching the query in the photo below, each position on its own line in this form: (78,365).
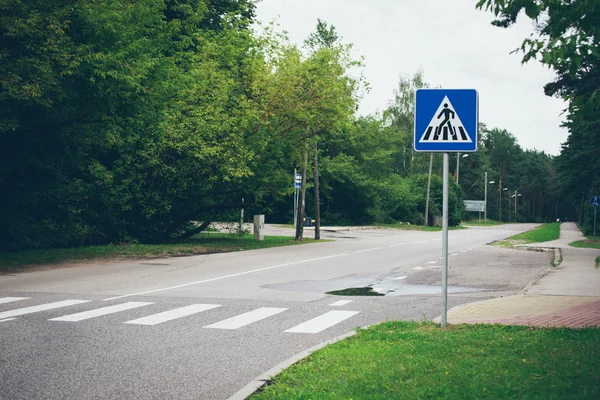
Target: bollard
(259,227)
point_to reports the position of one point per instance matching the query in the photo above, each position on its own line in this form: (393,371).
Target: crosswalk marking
(4,300)
(170,315)
(100,311)
(247,318)
(340,303)
(42,307)
(322,322)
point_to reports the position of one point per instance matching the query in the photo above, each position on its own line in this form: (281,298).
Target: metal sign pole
(295,201)
(595,208)
(445,245)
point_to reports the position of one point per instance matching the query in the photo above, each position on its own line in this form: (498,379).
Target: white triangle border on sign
(456,122)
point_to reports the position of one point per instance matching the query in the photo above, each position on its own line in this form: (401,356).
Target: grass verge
(598,262)
(489,222)
(589,243)
(407,227)
(204,243)
(412,361)
(542,233)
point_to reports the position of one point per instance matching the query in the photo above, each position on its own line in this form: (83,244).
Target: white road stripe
(364,251)
(432,262)
(340,303)
(7,319)
(101,311)
(41,307)
(247,318)
(4,300)
(399,244)
(159,318)
(322,322)
(463,251)
(454,254)
(400,278)
(225,277)
(422,241)
(418,268)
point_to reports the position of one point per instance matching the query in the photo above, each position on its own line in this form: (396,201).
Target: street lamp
(516,196)
(458,164)
(485,198)
(500,201)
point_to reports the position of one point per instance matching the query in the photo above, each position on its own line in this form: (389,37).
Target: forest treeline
(144,121)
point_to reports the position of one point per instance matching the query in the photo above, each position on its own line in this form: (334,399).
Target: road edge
(263,378)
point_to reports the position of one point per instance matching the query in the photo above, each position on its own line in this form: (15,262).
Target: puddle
(363,291)
(385,285)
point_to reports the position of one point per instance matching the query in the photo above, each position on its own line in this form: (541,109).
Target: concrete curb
(260,380)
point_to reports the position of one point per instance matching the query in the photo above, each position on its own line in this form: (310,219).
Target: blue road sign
(446,120)
(595,201)
(298,181)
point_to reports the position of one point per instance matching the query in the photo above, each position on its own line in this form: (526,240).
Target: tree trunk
(302,200)
(316,183)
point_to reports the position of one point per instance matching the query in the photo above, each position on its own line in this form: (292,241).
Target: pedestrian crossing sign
(446,120)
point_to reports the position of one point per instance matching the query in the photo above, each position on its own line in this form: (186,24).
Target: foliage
(542,233)
(205,243)
(411,360)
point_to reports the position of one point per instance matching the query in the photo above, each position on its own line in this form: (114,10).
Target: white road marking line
(322,322)
(364,251)
(101,311)
(436,239)
(41,307)
(170,315)
(454,254)
(247,318)
(417,268)
(400,278)
(399,244)
(432,262)
(463,251)
(224,277)
(7,319)
(340,303)
(4,300)
(422,241)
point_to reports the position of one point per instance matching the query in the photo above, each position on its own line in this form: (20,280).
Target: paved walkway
(568,295)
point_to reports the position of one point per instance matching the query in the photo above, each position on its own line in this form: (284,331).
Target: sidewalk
(568,295)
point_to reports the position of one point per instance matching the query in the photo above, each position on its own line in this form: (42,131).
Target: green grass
(401,360)
(407,227)
(589,243)
(543,233)
(489,222)
(204,243)
(598,262)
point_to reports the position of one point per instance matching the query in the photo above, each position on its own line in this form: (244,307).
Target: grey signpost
(446,121)
(297,186)
(595,202)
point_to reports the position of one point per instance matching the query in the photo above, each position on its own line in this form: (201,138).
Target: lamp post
(485,197)
(458,164)
(502,189)
(516,195)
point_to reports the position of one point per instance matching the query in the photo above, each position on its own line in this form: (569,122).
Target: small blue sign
(595,201)
(298,181)
(446,120)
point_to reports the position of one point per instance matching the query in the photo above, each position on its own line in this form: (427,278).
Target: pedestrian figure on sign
(446,113)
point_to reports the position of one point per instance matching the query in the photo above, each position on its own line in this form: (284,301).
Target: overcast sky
(453,43)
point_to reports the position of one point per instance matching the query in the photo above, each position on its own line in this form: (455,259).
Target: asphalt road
(203,327)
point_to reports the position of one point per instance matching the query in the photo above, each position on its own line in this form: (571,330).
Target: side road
(567,295)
